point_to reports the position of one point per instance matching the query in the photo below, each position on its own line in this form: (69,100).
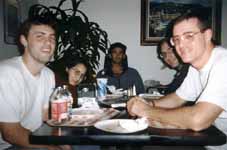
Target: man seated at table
(26,85)
(117,72)
(205,84)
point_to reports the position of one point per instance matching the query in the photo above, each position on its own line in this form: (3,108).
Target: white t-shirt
(209,85)
(22,95)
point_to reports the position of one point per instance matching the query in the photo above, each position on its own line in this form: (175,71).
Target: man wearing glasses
(205,84)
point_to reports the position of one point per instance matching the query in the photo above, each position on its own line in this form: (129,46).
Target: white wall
(121,20)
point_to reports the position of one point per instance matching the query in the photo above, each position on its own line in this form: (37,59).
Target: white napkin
(134,125)
(88,102)
(113,89)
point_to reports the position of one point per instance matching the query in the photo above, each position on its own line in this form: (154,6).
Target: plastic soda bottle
(59,105)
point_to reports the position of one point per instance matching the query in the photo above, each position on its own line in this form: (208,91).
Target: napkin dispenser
(86,90)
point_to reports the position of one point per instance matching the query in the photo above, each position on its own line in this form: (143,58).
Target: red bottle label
(59,110)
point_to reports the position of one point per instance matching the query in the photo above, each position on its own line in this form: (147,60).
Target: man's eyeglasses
(186,37)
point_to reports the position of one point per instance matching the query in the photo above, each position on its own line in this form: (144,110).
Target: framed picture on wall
(157,14)
(11,14)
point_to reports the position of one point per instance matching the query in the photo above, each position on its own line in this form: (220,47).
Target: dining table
(90,135)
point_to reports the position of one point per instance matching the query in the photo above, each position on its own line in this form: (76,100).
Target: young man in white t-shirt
(205,83)
(26,84)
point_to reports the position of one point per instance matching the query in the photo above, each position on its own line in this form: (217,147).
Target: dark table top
(151,136)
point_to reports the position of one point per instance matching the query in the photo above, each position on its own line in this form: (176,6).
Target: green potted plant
(76,35)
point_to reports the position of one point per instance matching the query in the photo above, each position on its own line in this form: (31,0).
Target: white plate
(114,126)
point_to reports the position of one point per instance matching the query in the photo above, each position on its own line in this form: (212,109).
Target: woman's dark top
(181,73)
